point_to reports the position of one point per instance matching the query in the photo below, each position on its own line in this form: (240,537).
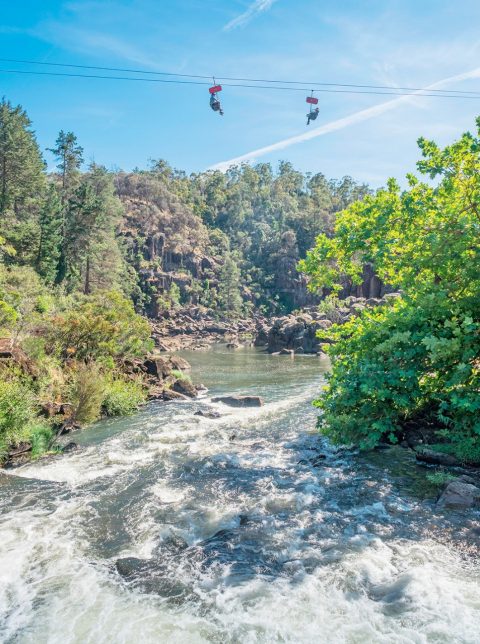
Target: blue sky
(404,43)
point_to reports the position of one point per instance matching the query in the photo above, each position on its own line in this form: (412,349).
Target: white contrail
(339,124)
(259,6)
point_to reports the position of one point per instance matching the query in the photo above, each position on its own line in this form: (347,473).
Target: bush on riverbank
(123,397)
(416,361)
(65,359)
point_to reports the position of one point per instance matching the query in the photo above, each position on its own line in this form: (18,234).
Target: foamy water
(232,530)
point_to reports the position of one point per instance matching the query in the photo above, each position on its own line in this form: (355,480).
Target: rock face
(239,401)
(459,495)
(308,332)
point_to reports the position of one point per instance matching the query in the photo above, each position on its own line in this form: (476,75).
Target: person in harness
(312,115)
(215,104)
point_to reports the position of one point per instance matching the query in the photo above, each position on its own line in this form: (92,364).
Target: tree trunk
(87,289)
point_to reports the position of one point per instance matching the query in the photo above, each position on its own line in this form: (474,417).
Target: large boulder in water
(460,495)
(186,387)
(239,401)
(160,367)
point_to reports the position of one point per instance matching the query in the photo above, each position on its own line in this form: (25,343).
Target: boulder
(179,363)
(185,387)
(436,458)
(459,495)
(216,328)
(239,401)
(357,308)
(70,447)
(158,366)
(171,394)
(323,324)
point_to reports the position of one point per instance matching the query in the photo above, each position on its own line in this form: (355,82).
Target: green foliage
(104,325)
(8,316)
(40,437)
(425,236)
(69,156)
(86,389)
(51,229)
(414,360)
(21,164)
(329,306)
(22,298)
(417,359)
(229,296)
(19,421)
(17,409)
(174,294)
(123,397)
(439,478)
(180,375)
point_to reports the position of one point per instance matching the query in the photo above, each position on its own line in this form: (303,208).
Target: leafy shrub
(86,388)
(18,410)
(180,375)
(22,290)
(123,397)
(414,360)
(102,325)
(439,479)
(40,438)
(19,421)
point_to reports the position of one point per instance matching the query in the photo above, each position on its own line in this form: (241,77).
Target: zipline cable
(394,92)
(239,79)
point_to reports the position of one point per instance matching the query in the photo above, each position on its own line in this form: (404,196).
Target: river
(172,528)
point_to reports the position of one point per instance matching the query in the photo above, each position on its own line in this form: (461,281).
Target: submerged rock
(207,414)
(129,566)
(70,447)
(436,458)
(240,401)
(152,576)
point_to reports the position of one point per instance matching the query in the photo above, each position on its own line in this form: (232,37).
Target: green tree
(229,295)
(69,156)
(50,241)
(22,176)
(92,256)
(418,360)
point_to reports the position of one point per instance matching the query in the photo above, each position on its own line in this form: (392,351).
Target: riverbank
(303,331)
